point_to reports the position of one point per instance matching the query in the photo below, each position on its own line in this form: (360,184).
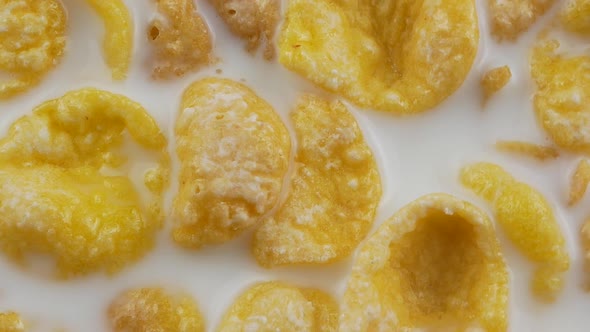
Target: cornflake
(575,16)
(579,184)
(11,322)
(539,152)
(585,238)
(334,192)
(180,38)
(435,264)
(234,153)
(276,306)
(252,20)
(510,18)
(562,99)
(32,42)
(118,38)
(54,198)
(494,80)
(154,309)
(401,56)
(528,221)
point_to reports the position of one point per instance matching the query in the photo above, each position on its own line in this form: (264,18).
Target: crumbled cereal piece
(252,20)
(118,38)
(533,150)
(436,264)
(54,199)
(580,181)
(494,80)
(510,18)
(401,56)
(234,154)
(155,310)
(575,16)
(32,42)
(585,239)
(181,39)
(528,221)
(334,193)
(11,322)
(562,99)
(275,306)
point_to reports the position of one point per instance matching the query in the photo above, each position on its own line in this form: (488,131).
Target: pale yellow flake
(528,220)
(435,265)
(494,80)
(11,322)
(579,183)
(334,193)
(527,149)
(575,16)
(510,18)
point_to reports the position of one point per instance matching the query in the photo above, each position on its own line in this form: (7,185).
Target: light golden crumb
(155,310)
(585,239)
(510,18)
(579,184)
(334,193)
(276,306)
(32,42)
(436,264)
(400,56)
(252,20)
(575,16)
(118,38)
(528,220)
(180,38)
(54,199)
(234,154)
(494,80)
(562,98)
(11,322)
(536,151)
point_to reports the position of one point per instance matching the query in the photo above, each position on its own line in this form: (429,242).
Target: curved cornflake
(435,264)
(510,18)
(154,309)
(118,38)
(252,20)
(180,38)
(575,16)
(334,193)
(399,56)
(234,153)
(276,306)
(493,81)
(55,199)
(11,322)
(32,42)
(528,149)
(579,182)
(527,219)
(562,99)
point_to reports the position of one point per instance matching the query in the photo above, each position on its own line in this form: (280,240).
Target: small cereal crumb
(510,18)
(585,238)
(579,183)
(539,152)
(276,306)
(252,20)
(218,71)
(11,322)
(575,16)
(494,80)
(153,309)
(436,264)
(528,220)
(180,38)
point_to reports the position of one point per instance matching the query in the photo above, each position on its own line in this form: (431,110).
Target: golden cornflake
(32,42)
(562,99)
(234,153)
(401,56)
(575,17)
(180,38)
(436,265)
(155,310)
(54,199)
(276,306)
(11,322)
(510,18)
(580,180)
(334,193)
(494,80)
(528,221)
(533,150)
(118,38)
(252,20)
